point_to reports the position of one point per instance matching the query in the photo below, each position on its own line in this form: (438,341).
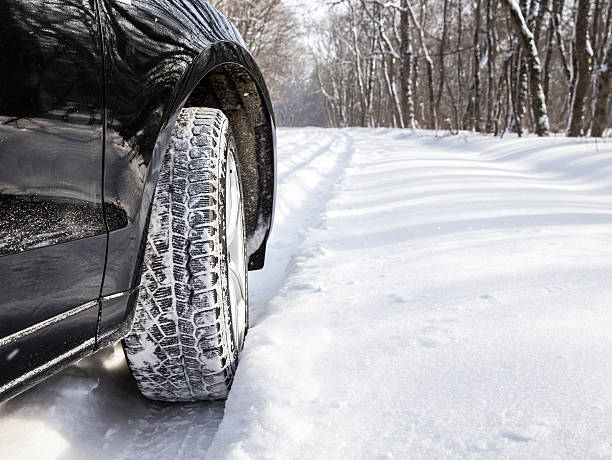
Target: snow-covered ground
(424,297)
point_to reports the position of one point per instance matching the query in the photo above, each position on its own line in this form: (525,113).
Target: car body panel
(53,232)
(36,350)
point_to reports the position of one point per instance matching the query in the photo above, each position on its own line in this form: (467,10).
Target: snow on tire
(191,314)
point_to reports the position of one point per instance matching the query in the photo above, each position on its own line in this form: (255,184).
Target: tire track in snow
(324,144)
(303,191)
(93,410)
(303,199)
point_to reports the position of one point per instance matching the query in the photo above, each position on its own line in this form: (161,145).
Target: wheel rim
(236,257)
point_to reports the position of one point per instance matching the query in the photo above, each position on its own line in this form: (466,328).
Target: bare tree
(475,112)
(583,54)
(454,64)
(429,65)
(602,106)
(441,56)
(529,47)
(406,67)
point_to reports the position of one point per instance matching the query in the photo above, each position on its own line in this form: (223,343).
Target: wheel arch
(225,76)
(231,88)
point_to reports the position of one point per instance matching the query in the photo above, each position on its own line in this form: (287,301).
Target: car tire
(192,311)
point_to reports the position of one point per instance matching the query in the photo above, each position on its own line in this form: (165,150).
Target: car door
(52,227)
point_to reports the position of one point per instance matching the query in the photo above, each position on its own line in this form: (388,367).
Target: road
(424,296)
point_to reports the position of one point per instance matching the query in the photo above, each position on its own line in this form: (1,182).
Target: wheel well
(231,89)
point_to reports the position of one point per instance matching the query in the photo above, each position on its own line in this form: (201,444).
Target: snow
(483,61)
(424,297)
(589,48)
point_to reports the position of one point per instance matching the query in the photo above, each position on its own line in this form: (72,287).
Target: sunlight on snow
(55,444)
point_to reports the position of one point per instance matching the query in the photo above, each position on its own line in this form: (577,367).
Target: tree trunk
(441,51)
(556,14)
(406,68)
(490,70)
(602,107)
(429,69)
(459,66)
(475,121)
(548,59)
(583,53)
(527,41)
(392,93)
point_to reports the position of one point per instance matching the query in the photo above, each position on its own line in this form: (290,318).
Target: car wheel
(192,312)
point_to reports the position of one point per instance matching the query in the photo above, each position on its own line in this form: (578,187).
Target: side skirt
(22,383)
(27,357)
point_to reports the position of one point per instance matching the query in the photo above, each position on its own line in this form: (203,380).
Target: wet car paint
(51,154)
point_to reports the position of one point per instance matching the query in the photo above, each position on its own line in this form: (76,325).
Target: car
(137,188)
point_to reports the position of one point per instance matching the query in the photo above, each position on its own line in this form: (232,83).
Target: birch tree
(406,68)
(455,64)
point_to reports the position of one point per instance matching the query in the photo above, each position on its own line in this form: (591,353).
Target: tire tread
(181,347)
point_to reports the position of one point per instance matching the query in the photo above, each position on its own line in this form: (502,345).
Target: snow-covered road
(424,297)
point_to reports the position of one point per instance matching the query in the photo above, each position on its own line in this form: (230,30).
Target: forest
(490,66)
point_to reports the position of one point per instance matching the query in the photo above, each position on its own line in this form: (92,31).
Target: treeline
(485,65)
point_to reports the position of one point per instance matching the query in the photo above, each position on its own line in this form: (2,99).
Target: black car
(137,182)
